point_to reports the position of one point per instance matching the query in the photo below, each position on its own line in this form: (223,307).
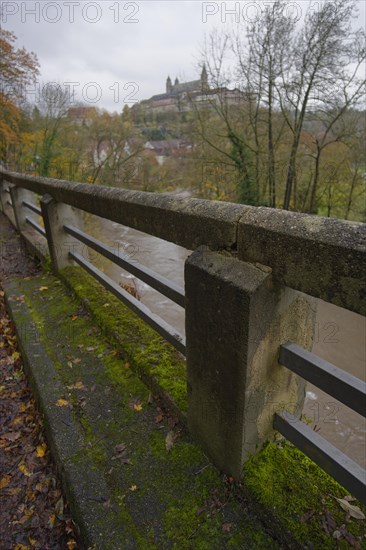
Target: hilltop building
(180,96)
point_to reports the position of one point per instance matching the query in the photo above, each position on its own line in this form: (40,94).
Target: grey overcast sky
(116,52)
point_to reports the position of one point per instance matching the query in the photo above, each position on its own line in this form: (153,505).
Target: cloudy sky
(116,52)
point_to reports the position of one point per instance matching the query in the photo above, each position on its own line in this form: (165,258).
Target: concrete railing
(250,285)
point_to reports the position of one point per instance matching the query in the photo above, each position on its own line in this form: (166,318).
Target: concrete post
(55,216)
(235,321)
(18,195)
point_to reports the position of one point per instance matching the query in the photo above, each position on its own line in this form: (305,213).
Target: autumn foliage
(18,68)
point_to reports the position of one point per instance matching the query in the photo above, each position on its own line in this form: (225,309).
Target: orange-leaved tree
(18,68)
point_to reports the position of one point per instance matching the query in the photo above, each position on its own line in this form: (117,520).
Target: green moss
(155,361)
(286,486)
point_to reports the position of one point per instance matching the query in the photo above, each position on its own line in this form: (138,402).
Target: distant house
(168,148)
(81,115)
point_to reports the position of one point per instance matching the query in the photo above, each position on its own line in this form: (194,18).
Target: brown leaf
(12,436)
(226,527)
(4,481)
(121,448)
(305,517)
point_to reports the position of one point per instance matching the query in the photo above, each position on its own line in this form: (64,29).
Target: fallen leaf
(226,527)
(305,517)
(77,386)
(158,418)
(62,403)
(121,448)
(22,467)
(137,407)
(126,365)
(4,481)
(71,544)
(74,317)
(42,288)
(133,487)
(90,349)
(51,521)
(15,355)
(353,511)
(41,450)
(169,440)
(12,436)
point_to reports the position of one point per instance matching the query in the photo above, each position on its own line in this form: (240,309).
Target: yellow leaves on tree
(17,69)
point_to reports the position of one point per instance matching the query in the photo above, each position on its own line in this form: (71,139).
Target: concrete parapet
(320,256)
(236,318)
(187,222)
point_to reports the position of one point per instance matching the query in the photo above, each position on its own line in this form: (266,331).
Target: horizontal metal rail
(336,382)
(158,324)
(349,474)
(32,207)
(160,283)
(36,226)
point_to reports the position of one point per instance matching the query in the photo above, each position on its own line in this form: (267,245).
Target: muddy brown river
(340,335)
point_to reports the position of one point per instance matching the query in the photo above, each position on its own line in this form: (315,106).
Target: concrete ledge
(186,222)
(82,484)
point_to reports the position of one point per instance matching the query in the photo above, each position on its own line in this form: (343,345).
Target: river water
(340,335)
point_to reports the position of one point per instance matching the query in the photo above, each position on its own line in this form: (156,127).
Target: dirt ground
(34,514)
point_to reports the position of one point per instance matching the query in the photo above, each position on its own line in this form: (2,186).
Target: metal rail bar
(336,382)
(36,226)
(349,474)
(32,207)
(160,283)
(158,324)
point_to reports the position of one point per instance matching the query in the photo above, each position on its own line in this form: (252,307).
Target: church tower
(169,86)
(204,78)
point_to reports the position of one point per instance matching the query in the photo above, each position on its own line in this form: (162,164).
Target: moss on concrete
(154,360)
(295,497)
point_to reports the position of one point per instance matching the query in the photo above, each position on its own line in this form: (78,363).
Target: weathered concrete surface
(319,256)
(235,321)
(186,222)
